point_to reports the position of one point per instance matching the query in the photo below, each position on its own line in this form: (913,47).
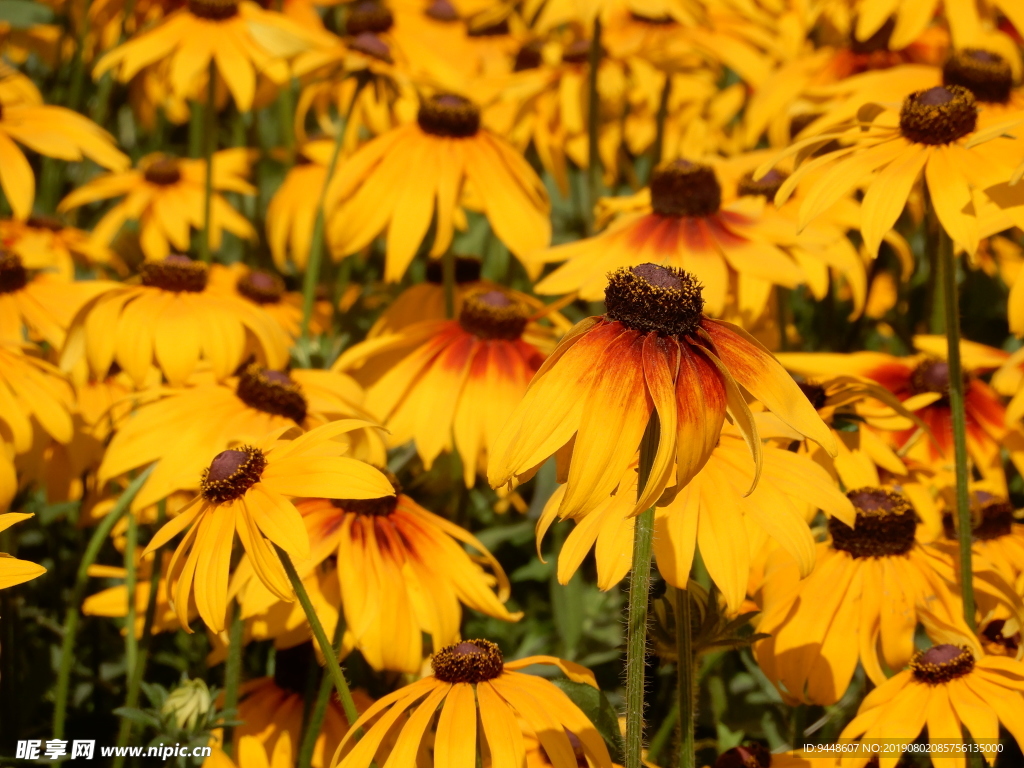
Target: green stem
(131,644)
(209,146)
(448,277)
(947,270)
(316,244)
(138,671)
(593,127)
(684,673)
(71,617)
(323,698)
(337,676)
(798,723)
(639,589)
(233,668)
(286,110)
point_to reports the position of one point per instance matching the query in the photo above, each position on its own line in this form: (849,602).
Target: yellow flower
(267,291)
(713,512)
(997,536)
(12,570)
(231,36)
(112,602)
(653,353)
(452,384)
(166,195)
(472,683)
(45,243)
(171,320)
(247,489)
(455,161)
(948,688)
(238,410)
(32,392)
(291,213)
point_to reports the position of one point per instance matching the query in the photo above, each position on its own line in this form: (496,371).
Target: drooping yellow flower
(166,195)
(714,513)
(171,320)
(12,570)
(653,353)
(247,489)
(46,243)
(292,211)
(473,684)
(235,38)
(947,688)
(268,291)
(458,164)
(32,392)
(238,410)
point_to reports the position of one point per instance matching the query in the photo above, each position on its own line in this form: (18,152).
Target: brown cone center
(213,10)
(471,661)
(942,663)
(13,275)
(163,172)
(681,188)
(370,44)
(885,525)
(261,287)
(938,115)
(442,10)
(651,298)
(493,315)
(449,115)
(175,273)
(985,74)
(766,186)
(232,473)
(272,392)
(368,16)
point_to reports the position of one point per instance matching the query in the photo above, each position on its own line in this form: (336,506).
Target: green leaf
(599,711)
(22,14)
(137,716)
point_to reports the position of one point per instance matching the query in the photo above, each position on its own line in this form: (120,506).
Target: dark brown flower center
(368,16)
(51,223)
(814,392)
(938,115)
(879,41)
(214,10)
(471,661)
(381,507)
(442,10)
(884,527)
(232,473)
(682,188)
(529,56)
(985,74)
(467,270)
(371,45)
(13,275)
(993,635)
(993,518)
(272,392)
(493,315)
(942,663)
(261,287)
(291,667)
(933,376)
(175,273)
(747,756)
(164,172)
(653,299)
(449,115)
(766,186)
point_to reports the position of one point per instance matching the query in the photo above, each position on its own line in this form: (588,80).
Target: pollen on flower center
(938,115)
(13,275)
(467,270)
(682,188)
(164,172)
(232,473)
(746,756)
(381,507)
(471,661)
(368,16)
(653,299)
(175,273)
(449,115)
(884,527)
(261,287)
(942,663)
(214,10)
(985,74)
(493,315)
(766,186)
(272,392)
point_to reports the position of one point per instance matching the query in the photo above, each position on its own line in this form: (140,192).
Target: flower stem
(323,698)
(337,676)
(684,673)
(639,589)
(316,243)
(233,668)
(209,145)
(947,272)
(131,699)
(662,116)
(71,617)
(593,127)
(131,643)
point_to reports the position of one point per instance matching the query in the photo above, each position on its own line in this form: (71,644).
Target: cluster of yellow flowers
(703,259)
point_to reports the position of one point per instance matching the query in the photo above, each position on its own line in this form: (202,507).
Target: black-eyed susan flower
(268,291)
(166,195)
(238,410)
(997,536)
(12,570)
(236,38)
(792,488)
(403,572)
(46,243)
(172,320)
(458,163)
(860,603)
(247,489)
(654,352)
(947,688)
(32,392)
(452,384)
(681,222)
(473,684)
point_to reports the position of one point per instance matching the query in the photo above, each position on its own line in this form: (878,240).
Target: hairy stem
(684,673)
(323,699)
